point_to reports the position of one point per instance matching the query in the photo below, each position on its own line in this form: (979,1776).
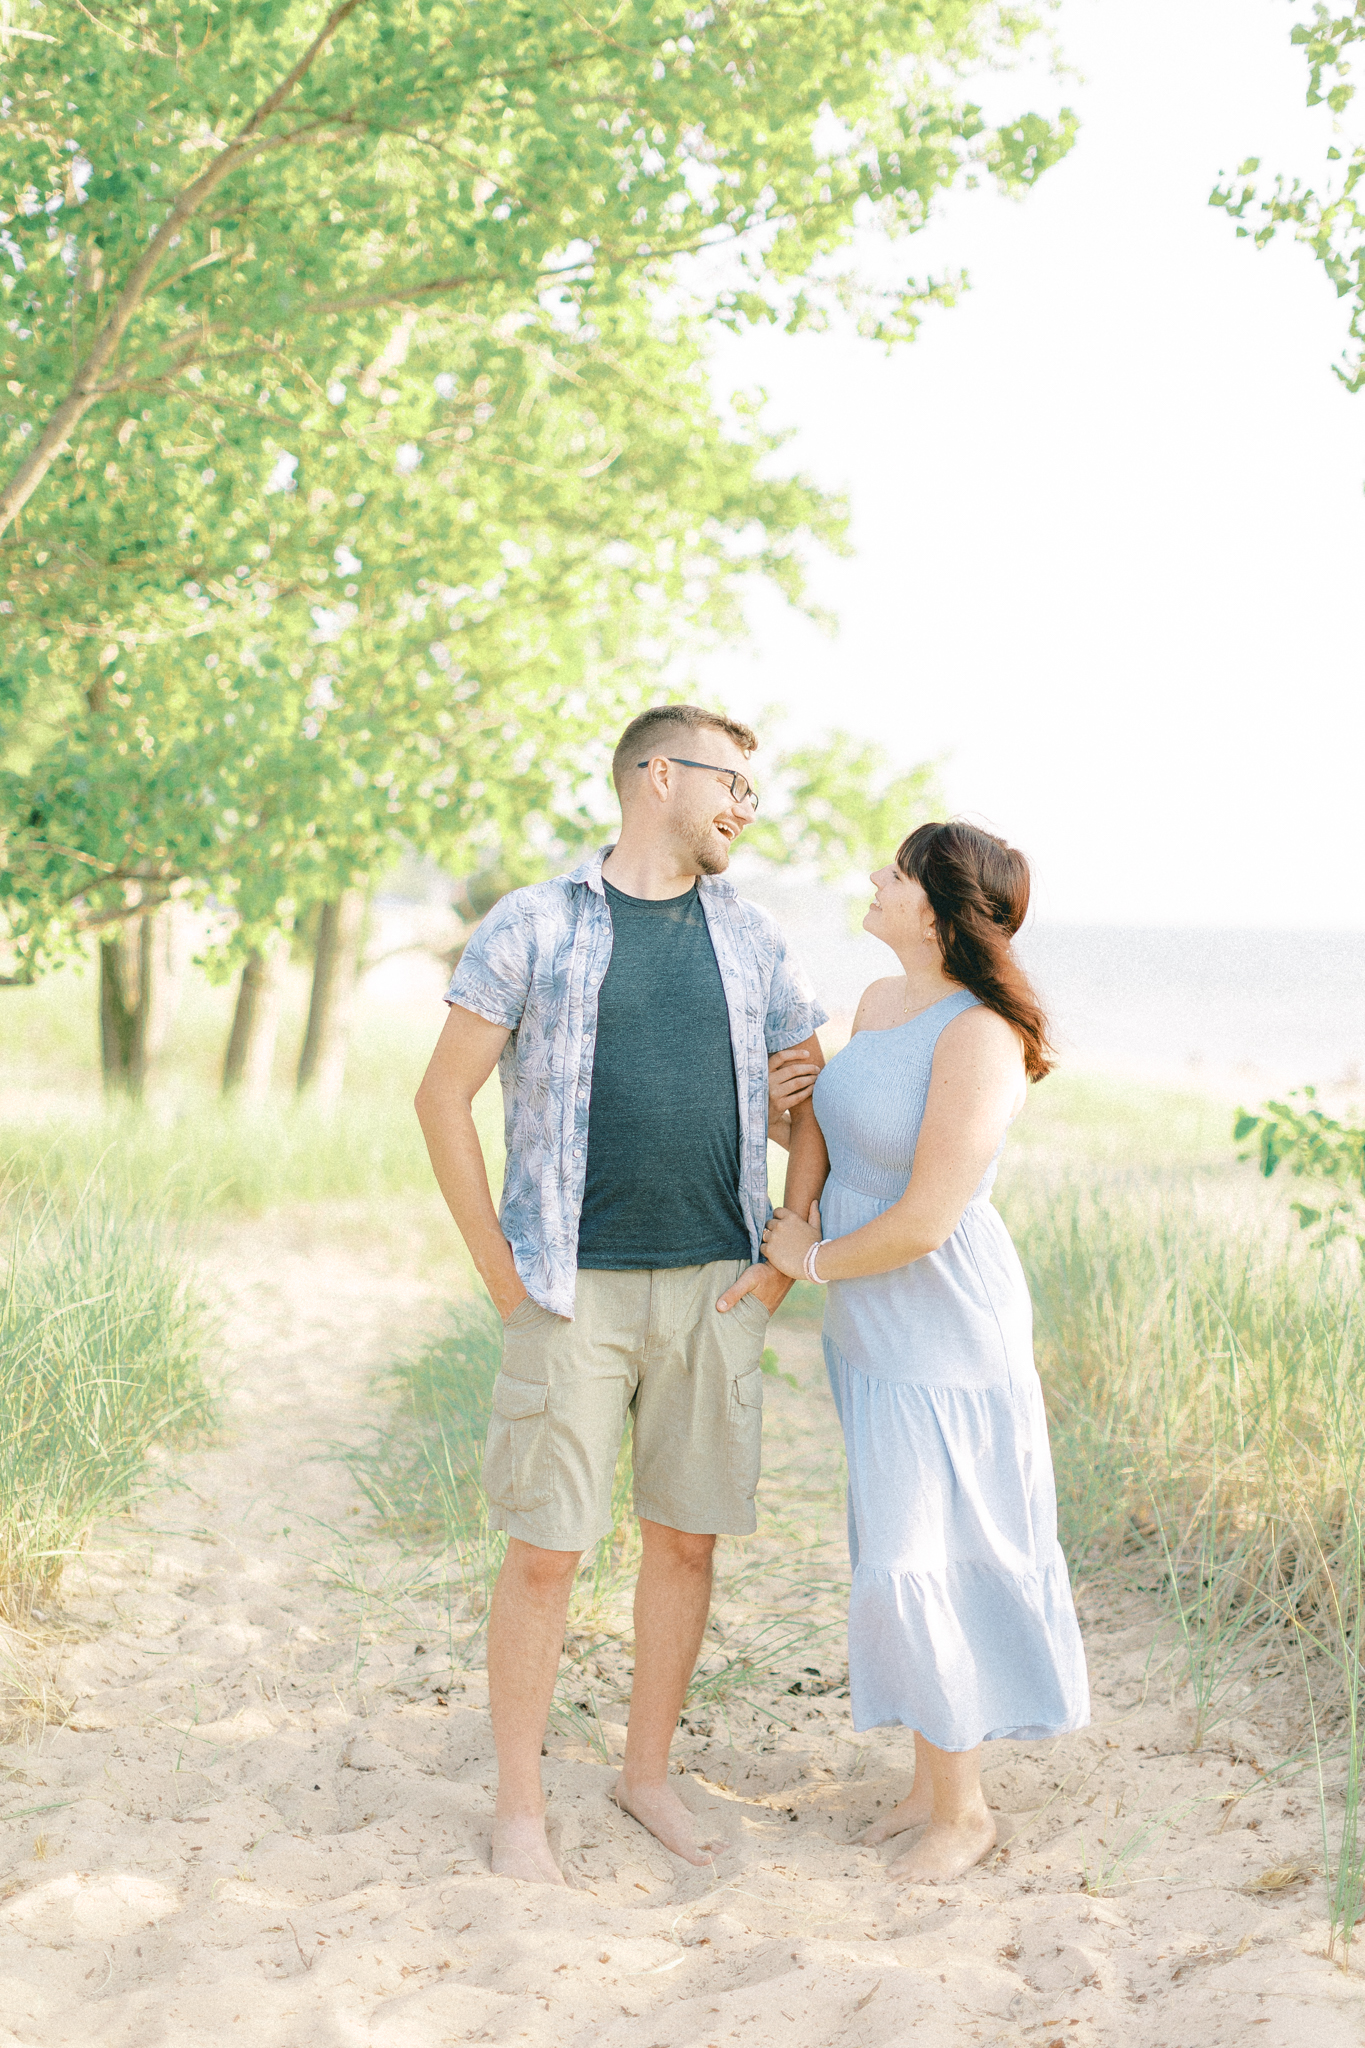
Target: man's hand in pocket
(763,1280)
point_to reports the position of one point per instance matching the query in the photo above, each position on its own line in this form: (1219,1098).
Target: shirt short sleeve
(493,977)
(793,1011)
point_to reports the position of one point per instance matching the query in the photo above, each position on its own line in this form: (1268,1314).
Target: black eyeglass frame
(730,775)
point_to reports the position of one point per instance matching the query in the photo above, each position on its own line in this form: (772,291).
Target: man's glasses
(741,789)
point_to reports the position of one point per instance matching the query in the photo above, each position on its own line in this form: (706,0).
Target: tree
(265,257)
(265,737)
(322,1062)
(1330,222)
(205,190)
(564,513)
(250,1054)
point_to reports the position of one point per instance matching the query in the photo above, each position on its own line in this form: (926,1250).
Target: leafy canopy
(192,187)
(1332,222)
(359,468)
(434,636)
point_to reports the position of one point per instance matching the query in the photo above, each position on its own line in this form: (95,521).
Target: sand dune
(264,1818)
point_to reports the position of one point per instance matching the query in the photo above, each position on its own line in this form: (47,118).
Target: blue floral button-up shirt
(536,964)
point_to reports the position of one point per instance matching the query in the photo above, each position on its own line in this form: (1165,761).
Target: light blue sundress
(961,1623)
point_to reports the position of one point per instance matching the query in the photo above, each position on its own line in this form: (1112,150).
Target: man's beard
(710,859)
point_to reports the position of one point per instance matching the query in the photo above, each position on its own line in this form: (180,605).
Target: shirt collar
(589,873)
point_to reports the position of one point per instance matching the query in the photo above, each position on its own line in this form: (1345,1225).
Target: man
(631,1006)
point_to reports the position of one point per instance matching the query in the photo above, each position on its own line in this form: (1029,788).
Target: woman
(961,1624)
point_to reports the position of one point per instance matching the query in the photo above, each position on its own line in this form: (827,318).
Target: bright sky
(1108,517)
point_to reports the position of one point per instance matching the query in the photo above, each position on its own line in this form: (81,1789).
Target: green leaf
(771,1366)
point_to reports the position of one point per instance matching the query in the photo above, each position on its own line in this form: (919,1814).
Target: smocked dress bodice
(873,1155)
(961,1315)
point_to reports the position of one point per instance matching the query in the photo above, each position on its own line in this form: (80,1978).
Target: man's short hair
(671,725)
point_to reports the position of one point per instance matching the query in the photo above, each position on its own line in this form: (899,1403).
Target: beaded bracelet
(808,1263)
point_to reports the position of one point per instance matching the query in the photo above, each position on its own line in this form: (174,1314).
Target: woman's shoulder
(978,1032)
(878,1003)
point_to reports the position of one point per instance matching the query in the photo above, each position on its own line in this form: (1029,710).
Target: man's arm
(466,1053)
(807,1167)
(807,1160)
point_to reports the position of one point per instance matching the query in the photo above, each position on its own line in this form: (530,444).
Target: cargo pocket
(516,1459)
(746,1432)
(526,1311)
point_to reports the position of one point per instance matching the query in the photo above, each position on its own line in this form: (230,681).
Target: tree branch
(86,389)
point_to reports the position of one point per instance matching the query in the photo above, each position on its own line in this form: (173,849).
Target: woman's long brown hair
(978,890)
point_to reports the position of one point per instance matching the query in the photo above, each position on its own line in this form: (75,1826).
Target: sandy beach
(256,1806)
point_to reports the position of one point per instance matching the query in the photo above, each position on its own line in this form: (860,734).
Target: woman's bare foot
(658,1808)
(521,1850)
(913,1812)
(945,1850)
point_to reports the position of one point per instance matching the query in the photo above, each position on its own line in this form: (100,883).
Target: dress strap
(943,1012)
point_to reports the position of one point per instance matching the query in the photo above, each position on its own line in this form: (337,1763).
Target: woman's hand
(787,1240)
(791,1078)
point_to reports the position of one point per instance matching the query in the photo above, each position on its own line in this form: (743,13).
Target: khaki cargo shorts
(649,1345)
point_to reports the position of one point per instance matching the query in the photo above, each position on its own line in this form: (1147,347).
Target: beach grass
(221,1156)
(1107,1120)
(420,1473)
(186,1148)
(1204,1370)
(101,1338)
(1204,1374)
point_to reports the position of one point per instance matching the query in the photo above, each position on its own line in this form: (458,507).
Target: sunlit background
(1108,524)
(1107,536)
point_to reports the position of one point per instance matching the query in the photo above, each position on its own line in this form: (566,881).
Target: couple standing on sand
(633,1007)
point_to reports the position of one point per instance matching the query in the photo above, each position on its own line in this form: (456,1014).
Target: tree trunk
(336,968)
(131,1020)
(250,1053)
(166,936)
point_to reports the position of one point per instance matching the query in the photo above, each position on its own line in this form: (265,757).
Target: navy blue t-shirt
(662,1185)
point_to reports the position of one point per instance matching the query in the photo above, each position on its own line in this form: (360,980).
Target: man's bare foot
(658,1808)
(913,1812)
(943,1853)
(521,1850)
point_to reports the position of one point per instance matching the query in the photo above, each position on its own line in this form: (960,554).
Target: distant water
(1282,1008)
(1231,1011)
